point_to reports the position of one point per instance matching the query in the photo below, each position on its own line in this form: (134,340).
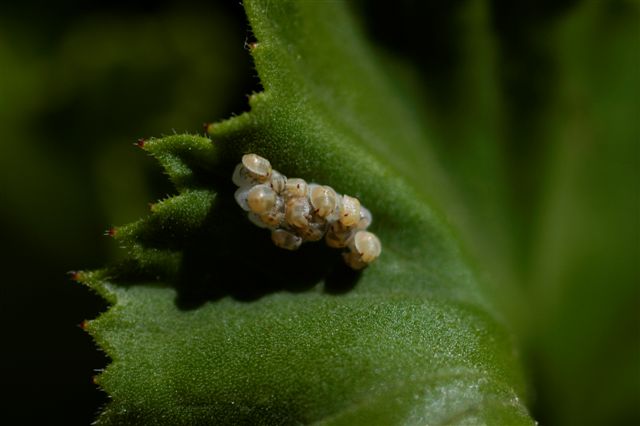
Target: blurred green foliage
(79,83)
(533,107)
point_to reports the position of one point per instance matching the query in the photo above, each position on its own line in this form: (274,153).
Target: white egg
(261,199)
(297,212)
(285,239)
(258,167)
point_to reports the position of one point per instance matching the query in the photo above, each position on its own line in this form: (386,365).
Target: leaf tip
(208,128)
(111,232)
(75,275)
(140,143)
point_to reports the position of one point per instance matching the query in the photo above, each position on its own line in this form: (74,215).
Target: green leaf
(211,323)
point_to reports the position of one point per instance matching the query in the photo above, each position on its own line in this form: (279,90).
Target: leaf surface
(211,323)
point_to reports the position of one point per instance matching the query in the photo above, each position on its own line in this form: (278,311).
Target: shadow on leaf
(228,256)
(235,258)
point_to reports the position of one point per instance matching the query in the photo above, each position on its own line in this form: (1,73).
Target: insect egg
(323,199)
(241,196)
(241,176)
(261,199)
(296,212)
(258,167)
(275,216)
(278,181)
(365,218)
(338,235)
(354,260)
(295,187)
(285,239)
(367,245)
(314,231)
(350,211)
(256,220)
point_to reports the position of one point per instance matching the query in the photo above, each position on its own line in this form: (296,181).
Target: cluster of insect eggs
(296,211)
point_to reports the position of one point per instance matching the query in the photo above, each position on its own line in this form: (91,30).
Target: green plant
(210,322)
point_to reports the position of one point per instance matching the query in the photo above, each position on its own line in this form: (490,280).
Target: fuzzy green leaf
(211,323)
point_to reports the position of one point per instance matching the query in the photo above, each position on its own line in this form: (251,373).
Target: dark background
(81,81)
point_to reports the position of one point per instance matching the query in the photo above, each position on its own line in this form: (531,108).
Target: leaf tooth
(255,98)
(179,144)
(95,280)
(185,158)
(172,221)
(140,143)
(206,126)
(74,275)
(142,264)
